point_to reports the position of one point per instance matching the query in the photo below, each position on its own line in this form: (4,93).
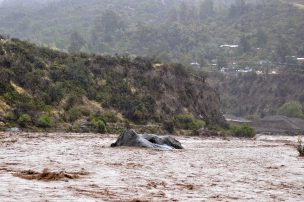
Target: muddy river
(82,167)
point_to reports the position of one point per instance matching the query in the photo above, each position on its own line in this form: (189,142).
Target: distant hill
(171,30)
(39,86)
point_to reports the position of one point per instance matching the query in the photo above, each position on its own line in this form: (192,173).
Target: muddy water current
(87,169)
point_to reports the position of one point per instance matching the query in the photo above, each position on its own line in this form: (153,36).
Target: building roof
(229,46)
(232,118)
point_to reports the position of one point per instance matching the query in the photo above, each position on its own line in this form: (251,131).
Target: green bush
(106,117)
(24,120)
(242,131)
(99,125)
(109,117)
(74,113)
(188,122)
(291,109)
(45,121)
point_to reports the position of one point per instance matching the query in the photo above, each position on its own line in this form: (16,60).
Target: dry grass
(4,108)
(19,89)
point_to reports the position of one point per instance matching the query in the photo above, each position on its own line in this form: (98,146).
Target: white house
(229,46)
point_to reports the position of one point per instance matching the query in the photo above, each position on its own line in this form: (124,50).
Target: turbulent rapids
(83,167)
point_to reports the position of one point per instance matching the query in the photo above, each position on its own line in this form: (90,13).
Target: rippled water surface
(265,169)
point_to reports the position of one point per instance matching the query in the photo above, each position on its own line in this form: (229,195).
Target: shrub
(103,97)
(73,114)
(71,101)
(169,126)
(99,125)
(45,121)
(300,146)
(106,117)
(109,117)
(291,109)
(152,129)
(242,131)
(180,70)
(188,122)
(24,120)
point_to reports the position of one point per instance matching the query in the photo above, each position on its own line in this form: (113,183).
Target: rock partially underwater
(131,139)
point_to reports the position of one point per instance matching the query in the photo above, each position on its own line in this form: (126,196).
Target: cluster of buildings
(260,67)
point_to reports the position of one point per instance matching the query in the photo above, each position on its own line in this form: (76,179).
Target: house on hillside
(229,46)
(245,70)
(300,61)
(195,65)
(224,70)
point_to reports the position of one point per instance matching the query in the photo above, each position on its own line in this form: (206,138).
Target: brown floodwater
(82,167)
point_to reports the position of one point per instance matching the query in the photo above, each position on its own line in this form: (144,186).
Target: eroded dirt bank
(86,169)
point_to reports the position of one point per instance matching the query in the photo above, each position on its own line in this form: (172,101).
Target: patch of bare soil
(83,167)
(47,175)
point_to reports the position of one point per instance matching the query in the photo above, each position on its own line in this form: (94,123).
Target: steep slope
(69,87)
(261,95)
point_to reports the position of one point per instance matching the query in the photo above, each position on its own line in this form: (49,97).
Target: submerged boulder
(131,139)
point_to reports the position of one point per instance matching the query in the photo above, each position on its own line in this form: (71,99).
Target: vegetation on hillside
(291,109)
(261,95)
(171,30)
(235,34)
(242,131)
(50,89)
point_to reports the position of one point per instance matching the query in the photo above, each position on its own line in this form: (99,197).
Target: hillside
(259,95)
(170,30)
(46,88)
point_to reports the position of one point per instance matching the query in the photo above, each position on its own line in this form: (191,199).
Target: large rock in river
(131,139)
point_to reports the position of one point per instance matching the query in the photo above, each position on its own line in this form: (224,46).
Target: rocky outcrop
(130,138)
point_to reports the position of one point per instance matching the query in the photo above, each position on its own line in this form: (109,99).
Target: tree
(206,9)
(244,45)
(222,62)
(282,50)
(262,38)
(238,8)
(106,25)
(76,43)
(184,11)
